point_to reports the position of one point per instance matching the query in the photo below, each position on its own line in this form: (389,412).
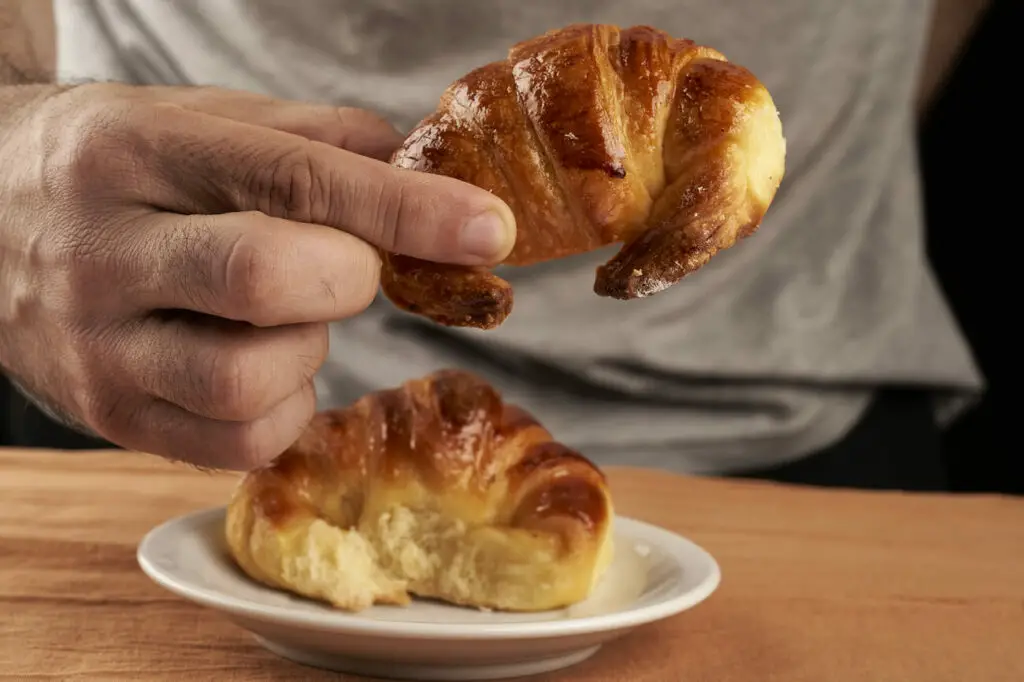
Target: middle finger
(221,369)
(252,267)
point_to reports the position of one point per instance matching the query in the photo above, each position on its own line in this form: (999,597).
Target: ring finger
(221,369)
(158,427)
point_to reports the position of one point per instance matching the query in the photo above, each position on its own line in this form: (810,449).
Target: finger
(357,130)
(251,267)
(220,369)
(161,428)
(205,164)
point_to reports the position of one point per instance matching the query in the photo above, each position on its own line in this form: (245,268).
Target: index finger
(207,164)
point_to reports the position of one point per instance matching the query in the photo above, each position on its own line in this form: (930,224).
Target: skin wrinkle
(263,178)
(300,194)
(227,380)
(319,189)
(392,205)
(329,290)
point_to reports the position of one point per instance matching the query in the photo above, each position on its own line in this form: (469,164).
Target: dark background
(972,180)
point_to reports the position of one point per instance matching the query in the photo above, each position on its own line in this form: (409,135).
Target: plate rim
(343,622)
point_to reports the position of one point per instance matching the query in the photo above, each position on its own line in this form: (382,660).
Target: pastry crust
(437,489)
(593,136)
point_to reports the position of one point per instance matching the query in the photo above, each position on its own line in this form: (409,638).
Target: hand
(169,257)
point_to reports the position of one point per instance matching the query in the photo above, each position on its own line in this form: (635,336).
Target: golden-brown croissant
(437,489)
(594,135)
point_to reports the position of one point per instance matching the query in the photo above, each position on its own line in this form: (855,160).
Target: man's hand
(169,257)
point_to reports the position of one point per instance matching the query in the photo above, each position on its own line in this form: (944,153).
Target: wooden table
(818,586)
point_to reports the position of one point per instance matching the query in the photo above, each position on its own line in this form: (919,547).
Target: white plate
(655,574)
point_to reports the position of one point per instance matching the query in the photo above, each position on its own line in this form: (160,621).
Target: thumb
(356,130)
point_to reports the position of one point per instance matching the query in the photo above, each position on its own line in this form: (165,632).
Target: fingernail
(486,236)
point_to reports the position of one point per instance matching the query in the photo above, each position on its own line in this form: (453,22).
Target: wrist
(15,99)
(17,102)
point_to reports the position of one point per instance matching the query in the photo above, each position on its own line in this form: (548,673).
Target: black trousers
(23,425)
(896,444)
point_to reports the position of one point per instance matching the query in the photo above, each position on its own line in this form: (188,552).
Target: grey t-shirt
(769,352)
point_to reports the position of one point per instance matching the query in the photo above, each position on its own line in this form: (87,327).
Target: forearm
(27,42)
(27,57)
(27,65)
(27,61)
(953,23)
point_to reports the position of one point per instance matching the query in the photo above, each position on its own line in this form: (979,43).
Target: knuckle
(233,386)
(93,153)
(251,450)
(87,264)
(290,187)
(392,215)
(108,413)
(186,256)
(257,442)
(82,251)
(94,358)
(252,274)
